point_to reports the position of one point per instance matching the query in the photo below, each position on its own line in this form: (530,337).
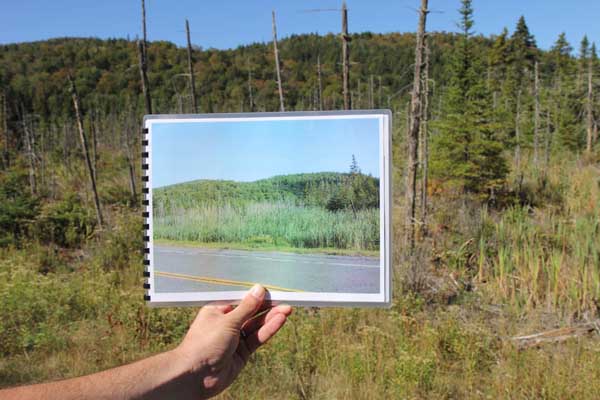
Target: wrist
(188,360)
(188,373)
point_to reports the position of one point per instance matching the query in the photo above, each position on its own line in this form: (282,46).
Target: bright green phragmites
(273,224)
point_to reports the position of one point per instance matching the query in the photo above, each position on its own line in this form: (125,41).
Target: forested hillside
(528,98)
(107,75)
(302,189)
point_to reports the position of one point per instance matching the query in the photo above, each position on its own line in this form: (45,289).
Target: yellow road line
(218,281)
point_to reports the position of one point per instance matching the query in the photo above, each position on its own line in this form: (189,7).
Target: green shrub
(18,208)
(66,223)
(121,244)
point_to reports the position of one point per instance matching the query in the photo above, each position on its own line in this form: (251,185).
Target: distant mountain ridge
(107,77)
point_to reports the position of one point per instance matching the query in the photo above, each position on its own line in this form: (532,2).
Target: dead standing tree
(320,88)
(144,79)
(536,116)
(144,37)
(143,60)
(130,145)
(191,68)
(250,96)
(86,153)
(276,53)
(589,102)
(30,147)
(424,145)
(413,132)
(518,136)
(93,131)
(6,151)
(371,93)
(345,59)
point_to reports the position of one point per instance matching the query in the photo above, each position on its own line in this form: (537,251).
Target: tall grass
(67,312)
(548,257)
(277,223)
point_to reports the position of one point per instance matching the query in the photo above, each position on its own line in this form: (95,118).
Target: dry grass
(486,276)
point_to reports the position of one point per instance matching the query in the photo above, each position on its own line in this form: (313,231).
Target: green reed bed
(270,223)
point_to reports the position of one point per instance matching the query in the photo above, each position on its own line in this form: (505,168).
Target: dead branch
(556,335)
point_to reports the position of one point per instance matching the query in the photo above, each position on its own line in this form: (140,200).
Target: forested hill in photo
(326,211)
(332,190)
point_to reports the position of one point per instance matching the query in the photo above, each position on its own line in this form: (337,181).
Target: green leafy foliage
(18,208)
(66,223)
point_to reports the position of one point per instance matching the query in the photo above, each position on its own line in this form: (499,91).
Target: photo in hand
(298,202)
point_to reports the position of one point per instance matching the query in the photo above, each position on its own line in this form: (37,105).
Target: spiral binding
(146,211)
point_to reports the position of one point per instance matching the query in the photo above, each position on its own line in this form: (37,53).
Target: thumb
(248,307)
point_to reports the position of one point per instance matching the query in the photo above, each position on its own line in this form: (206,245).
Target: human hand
(221,340)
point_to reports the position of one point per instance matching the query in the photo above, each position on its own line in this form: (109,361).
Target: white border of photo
(308,299)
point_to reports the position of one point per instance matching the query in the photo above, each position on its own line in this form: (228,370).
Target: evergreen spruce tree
(467,153)
(566,102)
(523,44)
(497,77)
(522,53)
(497,61)
(584,54)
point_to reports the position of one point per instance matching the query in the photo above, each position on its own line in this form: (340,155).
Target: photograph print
(297,202)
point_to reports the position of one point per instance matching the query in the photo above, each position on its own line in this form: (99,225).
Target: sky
(228,24)
(252,150)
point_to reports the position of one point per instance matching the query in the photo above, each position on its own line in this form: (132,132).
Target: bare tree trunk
(144,78)
(251,99)
(281,106)
(425,135)
(94,146)
(191,68)
(6,152)
(65,148)
(371,93)
(380,93)
(30,152)
(588,108)
(536,118)
(320,83)
(518,133)
(144,36)
(84,147)
(595,132)
(413,131)
(358,101)
(42,156)
(179,104)
(345,58)
(129,153)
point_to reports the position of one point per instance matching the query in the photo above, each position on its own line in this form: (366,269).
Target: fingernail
(257,291)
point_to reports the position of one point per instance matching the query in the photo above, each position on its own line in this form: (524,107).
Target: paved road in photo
(185,269)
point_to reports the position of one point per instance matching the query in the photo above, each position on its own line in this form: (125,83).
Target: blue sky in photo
(248,151)
(232,23)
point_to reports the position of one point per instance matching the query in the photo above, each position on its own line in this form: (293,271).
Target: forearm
(161,376)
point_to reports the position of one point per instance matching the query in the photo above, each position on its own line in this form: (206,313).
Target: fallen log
(556,335)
